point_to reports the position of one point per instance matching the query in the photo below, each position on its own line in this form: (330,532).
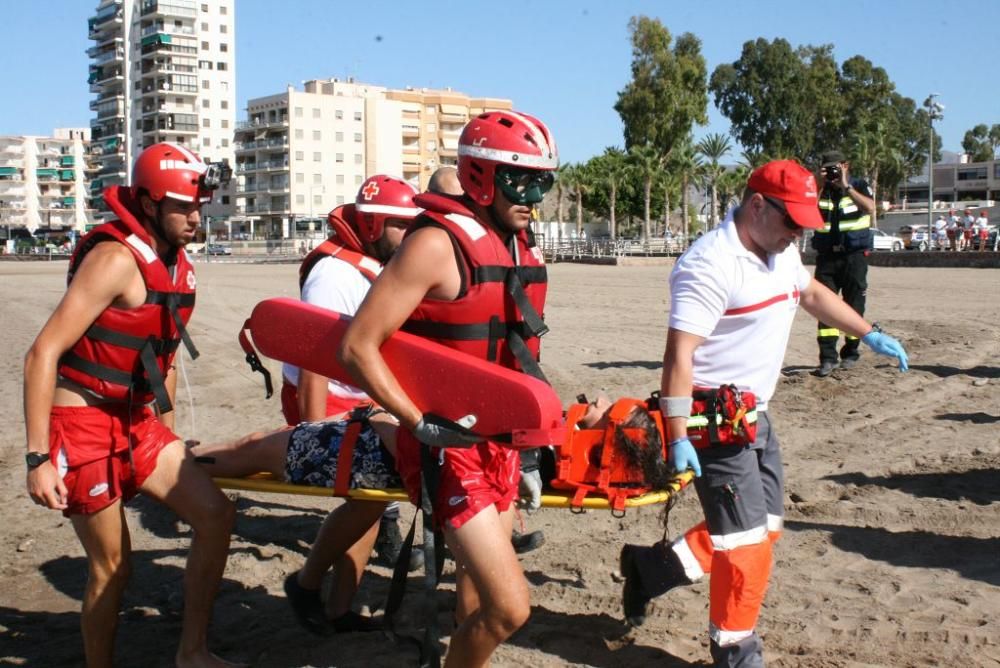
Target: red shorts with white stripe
(471,479)
(89,446)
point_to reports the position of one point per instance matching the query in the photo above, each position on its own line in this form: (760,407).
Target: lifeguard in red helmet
(337,275)
(98,391)
(468,275)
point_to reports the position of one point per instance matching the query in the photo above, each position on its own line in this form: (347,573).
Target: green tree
(714,147)
(979,142)
(667,93)
(778,99)
(730,185)
(610,169)
(577,180)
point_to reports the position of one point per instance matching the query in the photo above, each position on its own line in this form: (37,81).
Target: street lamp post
(934,112)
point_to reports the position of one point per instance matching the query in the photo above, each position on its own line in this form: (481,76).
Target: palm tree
(561,187)
(684,161)
(576,179)
(731,184)
(646,161)
(714,147)
(615,170)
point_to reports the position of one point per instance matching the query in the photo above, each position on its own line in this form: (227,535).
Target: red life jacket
(126,352)
(343,244)
(498,313)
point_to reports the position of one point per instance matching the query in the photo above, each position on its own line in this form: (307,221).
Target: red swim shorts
(471,478)
(90,448)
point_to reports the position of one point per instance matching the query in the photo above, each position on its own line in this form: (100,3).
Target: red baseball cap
(794,185)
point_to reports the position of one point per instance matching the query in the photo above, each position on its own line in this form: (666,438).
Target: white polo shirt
(338,286)
(743,308)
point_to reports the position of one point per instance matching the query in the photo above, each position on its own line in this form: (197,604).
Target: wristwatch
(848,188)
(35,459)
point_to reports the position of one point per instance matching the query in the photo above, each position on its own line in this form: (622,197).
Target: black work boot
(649,572)
(389,543)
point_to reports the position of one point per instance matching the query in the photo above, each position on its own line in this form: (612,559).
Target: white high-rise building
(42,183)
(161,70)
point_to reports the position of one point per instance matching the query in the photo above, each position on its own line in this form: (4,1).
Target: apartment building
(161,70)
(301,153)
(956,182)
(432,122)
(43,183)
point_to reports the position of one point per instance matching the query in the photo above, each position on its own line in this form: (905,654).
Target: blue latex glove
(884,344)
(683,456)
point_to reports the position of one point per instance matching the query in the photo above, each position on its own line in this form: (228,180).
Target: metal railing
(572,249)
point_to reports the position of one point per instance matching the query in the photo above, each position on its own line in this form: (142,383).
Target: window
(225,123)
(973,174)
(225,143)
(206,142)
(298,112)
(340,199)
(299,133)
(204,84)
(223,10)
(205,103)
(340,157)
(225,199)
(225,85)
(339,136)
(357,158)
(357,115)
(340,179)
(315,112)
(317,199)
(223,28)
(299,155)
(300,177)
(317,179)
(339,114)
(206,123)
(357,136)
(221,66)
(300,199)
(204,8)
(317,135)
(223,47)
(317,156)
(204,26)
(358,180)
(204,46)
(204,64)
(225,104)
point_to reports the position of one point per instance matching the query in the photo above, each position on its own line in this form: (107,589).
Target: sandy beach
(890,557)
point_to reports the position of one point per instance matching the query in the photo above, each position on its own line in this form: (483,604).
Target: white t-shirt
(744,308)
(982,223)
(338,286)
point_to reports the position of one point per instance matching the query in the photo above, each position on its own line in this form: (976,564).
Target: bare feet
(205,659)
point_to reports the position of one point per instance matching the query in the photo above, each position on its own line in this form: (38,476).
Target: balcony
(263,166)
(274,142)
(167,64)
(100,77)
(281,121)
(108,16)
(108,100)
(111,43)
(167,28)
(169,9)
(109,56)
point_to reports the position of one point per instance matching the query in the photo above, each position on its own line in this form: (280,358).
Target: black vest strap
(182,299)
(498,274)
(105,373)
(105,335)
(172,306)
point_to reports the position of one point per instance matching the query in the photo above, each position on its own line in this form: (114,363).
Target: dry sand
(891,554)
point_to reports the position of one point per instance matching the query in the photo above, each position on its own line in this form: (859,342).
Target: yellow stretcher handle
(264,482)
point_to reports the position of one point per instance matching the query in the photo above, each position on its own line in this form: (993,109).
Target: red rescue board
(438,379)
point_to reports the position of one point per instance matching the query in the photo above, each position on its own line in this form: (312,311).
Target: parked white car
(885,241)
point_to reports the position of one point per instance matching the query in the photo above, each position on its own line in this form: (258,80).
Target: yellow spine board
(266,483)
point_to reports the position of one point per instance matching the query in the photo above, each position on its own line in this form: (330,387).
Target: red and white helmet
(381,197)
(170,170)
(502,138)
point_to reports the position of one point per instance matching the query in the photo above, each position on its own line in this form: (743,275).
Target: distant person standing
(953,230)
(968,229)
(940,231)
(983,229)
(842,245)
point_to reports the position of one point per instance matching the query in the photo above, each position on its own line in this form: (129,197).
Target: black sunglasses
(787,220)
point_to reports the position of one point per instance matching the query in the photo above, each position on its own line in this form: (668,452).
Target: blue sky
(560,60)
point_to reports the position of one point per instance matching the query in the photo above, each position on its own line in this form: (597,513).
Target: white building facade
(161,70)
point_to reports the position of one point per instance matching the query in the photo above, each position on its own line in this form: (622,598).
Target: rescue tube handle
(254,361)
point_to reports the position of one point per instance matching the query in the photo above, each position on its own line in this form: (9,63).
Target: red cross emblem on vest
(369,191)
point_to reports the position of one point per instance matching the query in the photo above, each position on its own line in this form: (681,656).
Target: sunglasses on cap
(787,220)
(523,186)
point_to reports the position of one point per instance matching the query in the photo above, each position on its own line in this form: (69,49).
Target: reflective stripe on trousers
(741,492)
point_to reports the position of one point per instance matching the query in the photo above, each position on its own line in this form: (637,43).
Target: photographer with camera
(842,245)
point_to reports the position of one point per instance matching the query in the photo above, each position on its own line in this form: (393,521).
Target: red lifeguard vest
(498,314)
(125,353)
(343,244)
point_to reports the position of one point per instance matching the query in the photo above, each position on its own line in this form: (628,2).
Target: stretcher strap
(345,458)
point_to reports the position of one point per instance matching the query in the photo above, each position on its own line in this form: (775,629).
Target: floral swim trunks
(313,450)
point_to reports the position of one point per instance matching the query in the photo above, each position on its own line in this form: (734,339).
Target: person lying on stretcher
(307,454)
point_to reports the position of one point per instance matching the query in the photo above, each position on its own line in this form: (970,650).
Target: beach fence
(568,250)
